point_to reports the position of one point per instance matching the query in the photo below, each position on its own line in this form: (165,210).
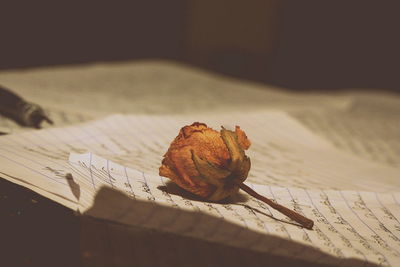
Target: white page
(373,136)
(152,87)
(285,156)
(348,224)
(283,153)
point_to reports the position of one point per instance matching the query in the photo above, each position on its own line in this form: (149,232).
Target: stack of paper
(109,169)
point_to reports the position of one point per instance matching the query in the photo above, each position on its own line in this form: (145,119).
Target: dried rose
(207,163)
(213,165)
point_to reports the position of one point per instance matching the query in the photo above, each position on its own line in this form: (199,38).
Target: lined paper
(348,224)
(354,202)
(371,136)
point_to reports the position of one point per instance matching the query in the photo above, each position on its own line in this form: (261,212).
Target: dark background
(306,44)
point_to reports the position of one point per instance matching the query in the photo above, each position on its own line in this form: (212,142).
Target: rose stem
(305,222)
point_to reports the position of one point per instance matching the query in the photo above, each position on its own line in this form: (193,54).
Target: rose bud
(207,163)
(213,165)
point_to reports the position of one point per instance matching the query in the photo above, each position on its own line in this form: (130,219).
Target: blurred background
(300,45)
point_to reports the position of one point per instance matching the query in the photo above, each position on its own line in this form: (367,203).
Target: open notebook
(108,169)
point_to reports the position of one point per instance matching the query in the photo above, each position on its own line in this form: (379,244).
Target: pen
(24,113)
